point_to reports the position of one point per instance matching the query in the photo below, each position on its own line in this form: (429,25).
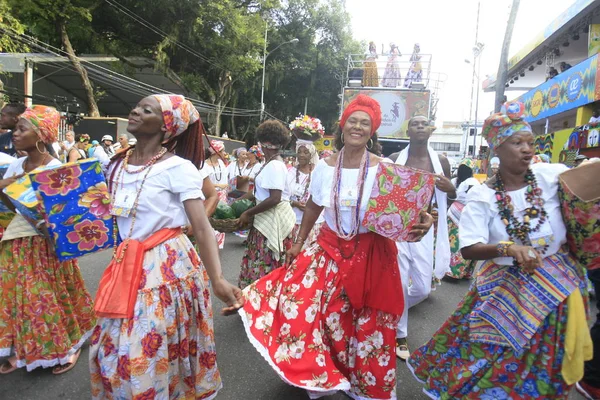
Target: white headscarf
(314,156)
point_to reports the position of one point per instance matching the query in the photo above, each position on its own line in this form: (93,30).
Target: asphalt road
(245,374)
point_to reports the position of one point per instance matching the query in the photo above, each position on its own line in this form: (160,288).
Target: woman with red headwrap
(327,321)
(46,312)
(155,338)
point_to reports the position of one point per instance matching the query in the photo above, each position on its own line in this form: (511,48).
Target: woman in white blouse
(272,218)
(214,168)
(299,178)
(508,337)
(154,296)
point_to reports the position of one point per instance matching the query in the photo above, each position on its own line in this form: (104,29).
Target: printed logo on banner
(536,103)
(554,95)
(574,85)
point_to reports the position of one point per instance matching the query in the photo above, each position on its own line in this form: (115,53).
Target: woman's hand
(292,253)
(5,182)
(298,205)
(444,184)
(228,294)
(420,230)
(244,220)
(526,257)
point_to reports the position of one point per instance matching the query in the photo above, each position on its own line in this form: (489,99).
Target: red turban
(366,104)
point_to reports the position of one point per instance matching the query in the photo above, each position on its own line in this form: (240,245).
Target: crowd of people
(323,300)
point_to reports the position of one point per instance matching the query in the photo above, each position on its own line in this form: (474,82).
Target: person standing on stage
(417,260)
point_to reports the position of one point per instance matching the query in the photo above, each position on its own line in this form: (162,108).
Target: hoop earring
(342,138)
(43,147)
(372,144)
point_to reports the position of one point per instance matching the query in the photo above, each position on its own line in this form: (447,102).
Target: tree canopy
(215,47)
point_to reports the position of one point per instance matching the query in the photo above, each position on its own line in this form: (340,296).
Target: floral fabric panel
(76,205)
(6,214)
(583,227)
(398,196)
(24,198)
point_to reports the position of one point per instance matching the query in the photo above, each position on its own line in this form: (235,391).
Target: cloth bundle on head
(325,154)
(178,113)
(237,151)
(367,104)
(45,121)
(498,127)
(314,157)
(256,151)
(216,146)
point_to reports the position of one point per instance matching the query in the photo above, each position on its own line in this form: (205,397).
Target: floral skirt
(301,321)
(459,267)
(258,259)
(46,313)
(167,350)
(453,367)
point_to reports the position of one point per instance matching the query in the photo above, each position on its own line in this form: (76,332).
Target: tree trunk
(85,81)
(503,66)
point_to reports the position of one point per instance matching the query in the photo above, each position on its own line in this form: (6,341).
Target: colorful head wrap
(367,104)
(314,157)
(216,146)
(500,126)
(468,162)
(256,151)
(178,114)
(45,121)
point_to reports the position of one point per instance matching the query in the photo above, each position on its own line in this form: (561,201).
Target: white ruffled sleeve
(186,180)
(474,226)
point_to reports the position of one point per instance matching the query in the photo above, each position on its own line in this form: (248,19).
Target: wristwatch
(502,248)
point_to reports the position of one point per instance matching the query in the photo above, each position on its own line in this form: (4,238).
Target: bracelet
(40,223)
(299,240)
(502,248)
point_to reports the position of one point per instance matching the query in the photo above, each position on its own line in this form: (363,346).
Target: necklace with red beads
(150,162)
(533,196)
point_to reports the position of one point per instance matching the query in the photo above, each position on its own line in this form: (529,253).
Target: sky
(446,29)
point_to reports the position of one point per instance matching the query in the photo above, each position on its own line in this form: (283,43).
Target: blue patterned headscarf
(500,126)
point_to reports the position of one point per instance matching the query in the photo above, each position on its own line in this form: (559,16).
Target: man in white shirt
(67,144)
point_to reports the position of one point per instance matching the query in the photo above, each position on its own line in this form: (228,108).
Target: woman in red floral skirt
(327,321)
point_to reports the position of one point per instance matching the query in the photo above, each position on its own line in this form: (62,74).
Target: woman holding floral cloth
(298,181)
(155,338)
(464,181)
(46,313)
(272,217)
(327,321)
(520,332)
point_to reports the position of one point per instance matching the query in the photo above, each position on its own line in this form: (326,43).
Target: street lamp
(265,55)
(477,49)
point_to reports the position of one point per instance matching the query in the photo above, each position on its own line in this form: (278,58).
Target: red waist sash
(120,282)
(369,268)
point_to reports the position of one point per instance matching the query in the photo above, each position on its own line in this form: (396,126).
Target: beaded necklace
(355,210)
(533,196)
(119,182)
(306,180)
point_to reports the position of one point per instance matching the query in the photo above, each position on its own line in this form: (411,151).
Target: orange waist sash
(120,282)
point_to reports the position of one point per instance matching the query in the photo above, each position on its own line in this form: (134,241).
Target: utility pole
(503,66)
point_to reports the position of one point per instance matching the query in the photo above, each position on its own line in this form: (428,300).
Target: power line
(130,85)
(160,32)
